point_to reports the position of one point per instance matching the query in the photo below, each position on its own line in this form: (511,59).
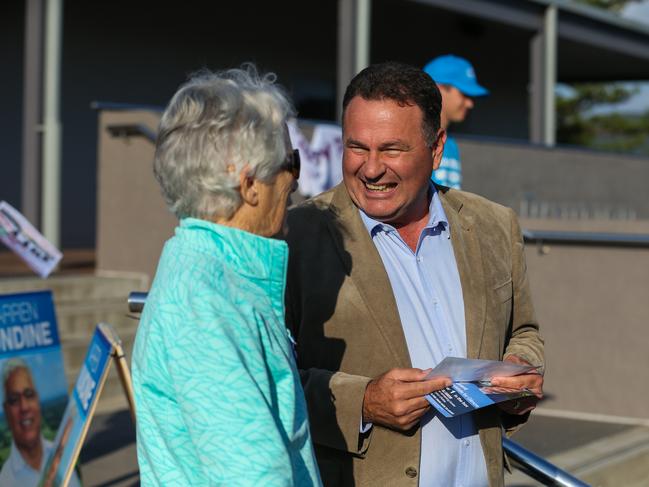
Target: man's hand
(532,381)
(396,398)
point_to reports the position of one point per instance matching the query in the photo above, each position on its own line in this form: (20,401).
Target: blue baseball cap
(455,71)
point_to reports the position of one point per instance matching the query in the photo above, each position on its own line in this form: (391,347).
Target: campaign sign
(78,415)
(34,390)
(321,157)
(28,243)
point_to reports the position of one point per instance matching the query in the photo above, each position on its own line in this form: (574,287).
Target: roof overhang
(593,44)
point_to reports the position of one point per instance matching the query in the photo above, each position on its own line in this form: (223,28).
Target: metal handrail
(586,238)
(132,130)
(118,106)
(531,464)
(539,468)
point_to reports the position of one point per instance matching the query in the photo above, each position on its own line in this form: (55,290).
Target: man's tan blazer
(343,314)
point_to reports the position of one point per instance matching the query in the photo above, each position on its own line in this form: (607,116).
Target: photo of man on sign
(33,387)
(21,405)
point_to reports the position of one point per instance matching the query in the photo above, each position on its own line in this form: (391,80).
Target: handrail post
(136,301)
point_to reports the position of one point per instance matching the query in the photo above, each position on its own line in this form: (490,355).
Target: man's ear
(248,188)
(438,148)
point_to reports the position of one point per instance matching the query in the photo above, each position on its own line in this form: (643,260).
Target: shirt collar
(17,461)
(436,216)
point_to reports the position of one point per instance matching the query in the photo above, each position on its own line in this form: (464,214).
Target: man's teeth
(26,422)
(378,187)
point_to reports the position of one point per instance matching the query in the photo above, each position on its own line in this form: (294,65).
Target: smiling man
(22,409)
(389,274)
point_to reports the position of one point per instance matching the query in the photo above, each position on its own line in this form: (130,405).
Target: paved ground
(609,453)
(76,261)
(547,436)
(108,458)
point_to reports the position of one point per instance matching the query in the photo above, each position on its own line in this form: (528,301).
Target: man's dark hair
(404,84)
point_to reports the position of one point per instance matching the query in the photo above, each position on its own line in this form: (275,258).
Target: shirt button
(411,472)
(419,259)
(466,442)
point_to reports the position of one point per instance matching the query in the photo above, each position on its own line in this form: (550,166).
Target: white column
(550,75)
(354,35)
(51,175)
(543,76)
(363,19)
(32,95)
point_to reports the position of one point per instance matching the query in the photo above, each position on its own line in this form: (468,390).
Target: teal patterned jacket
(218,395)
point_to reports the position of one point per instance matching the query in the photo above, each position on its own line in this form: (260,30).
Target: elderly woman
(218,395)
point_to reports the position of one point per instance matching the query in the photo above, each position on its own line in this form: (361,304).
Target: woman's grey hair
(215,125)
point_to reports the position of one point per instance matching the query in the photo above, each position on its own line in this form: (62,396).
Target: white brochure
(20,236)
(475,370)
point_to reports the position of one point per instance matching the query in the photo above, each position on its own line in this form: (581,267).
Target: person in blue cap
(457,82)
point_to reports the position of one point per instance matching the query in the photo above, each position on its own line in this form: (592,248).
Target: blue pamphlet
(471,388)
(464,397)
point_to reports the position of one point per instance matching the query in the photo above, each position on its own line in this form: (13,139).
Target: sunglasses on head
(292,163)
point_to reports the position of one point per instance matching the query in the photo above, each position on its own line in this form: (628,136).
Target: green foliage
(52,413)
(626,133)
(5,442)
(573,127)
(610,131)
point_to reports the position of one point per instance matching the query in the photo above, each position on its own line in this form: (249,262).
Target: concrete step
(81,319)
(622,459)
(74,350)
(108,456)
(75,261)
(78,289)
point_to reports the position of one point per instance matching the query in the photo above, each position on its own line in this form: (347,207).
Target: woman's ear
(248,188)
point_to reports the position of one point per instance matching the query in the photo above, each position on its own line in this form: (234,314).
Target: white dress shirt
(428,292)
(15,472)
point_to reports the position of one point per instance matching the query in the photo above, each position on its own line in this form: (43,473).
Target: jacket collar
(251,255)
(366,271)
(470,266)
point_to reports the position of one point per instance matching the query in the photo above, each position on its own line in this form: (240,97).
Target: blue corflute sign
(34,389)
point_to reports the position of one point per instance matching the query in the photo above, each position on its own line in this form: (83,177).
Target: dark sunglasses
(292,163)
(14,397)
